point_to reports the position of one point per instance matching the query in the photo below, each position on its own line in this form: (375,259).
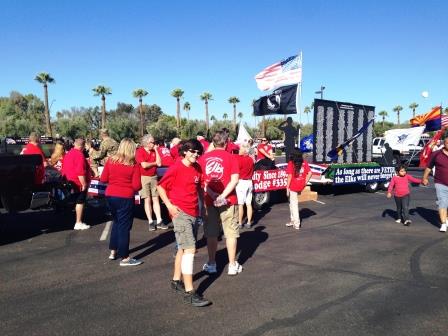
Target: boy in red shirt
(220,173)
(400,186)
(299,173)
(179,190)
(76,170)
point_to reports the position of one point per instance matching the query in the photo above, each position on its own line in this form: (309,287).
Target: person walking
(439,161)
(77,171)
(244,186)
(148,158)
(179,190)
(220,176)
(122,175)
(399,186)
(299,173)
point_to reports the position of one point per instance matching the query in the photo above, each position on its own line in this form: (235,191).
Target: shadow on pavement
(154,244)
(429,215)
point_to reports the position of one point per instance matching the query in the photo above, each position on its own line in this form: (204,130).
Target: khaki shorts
(225,217)
(149,187)
(183,230)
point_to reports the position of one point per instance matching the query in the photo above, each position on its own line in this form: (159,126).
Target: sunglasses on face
(193,151)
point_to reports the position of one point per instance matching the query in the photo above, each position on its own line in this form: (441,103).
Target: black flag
(280,101)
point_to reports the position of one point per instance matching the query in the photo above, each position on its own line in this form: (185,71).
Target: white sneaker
(443,227)
(209,268)
(235,269)
(398,220)
(81,226)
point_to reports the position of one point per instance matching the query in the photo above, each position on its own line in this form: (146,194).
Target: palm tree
(206,96)
(225,116)
(177,93)
(187,108)
(413,106)
(140,93)
(240,116)
(102,91)
(45,78)
(234,100)
(398,109)
(213,118)
(383,114)
(307,111)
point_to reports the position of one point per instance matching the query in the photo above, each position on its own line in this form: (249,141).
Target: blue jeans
(122,210)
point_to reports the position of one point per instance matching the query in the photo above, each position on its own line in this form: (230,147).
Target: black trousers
(402,207)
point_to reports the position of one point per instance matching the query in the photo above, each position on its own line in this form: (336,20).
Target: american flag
(444,121)
(285,72)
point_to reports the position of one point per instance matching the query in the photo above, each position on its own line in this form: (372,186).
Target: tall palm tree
(234,100)
(240,115)
(225,116)
(45,78)
(102,91)
(383,115)
(307,111)
(187,108)
(140,93)
(413,106)
(398,109)
(177,93)
(206,96)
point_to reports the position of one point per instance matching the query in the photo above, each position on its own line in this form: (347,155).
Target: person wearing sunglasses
(179,189)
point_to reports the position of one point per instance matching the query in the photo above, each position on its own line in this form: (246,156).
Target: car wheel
(261,199)
(384,185)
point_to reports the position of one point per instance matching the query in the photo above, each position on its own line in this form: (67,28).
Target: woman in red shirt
(122,174)
(299,173)
(400,186)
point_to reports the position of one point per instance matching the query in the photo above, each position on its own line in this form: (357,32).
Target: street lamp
(321,92)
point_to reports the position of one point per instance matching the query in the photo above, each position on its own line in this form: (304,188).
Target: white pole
(299,99)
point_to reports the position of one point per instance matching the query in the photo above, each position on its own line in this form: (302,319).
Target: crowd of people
(210,182)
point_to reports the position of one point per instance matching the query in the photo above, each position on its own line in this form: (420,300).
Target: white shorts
(244,191)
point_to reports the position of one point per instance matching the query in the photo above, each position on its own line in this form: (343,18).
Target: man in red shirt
(148,158)
(76,170)
(165,156)
(33,148)
(179,190)
(244,186)
(220,174)
(201,139)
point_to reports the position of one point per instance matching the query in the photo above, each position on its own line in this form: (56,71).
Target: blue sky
(381,53)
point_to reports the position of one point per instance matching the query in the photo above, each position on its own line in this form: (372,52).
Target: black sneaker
(162,226)
(152,227)
(178,286)
(195,299)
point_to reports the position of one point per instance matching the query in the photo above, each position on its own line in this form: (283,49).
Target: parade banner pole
(299,100)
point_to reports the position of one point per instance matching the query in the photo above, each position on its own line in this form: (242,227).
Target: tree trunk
(47,112)
(103,112)
(398,118)
(178,113)
(263,126)
(234,117)
(383,122)
(142,119)
(206,115)
(413,113)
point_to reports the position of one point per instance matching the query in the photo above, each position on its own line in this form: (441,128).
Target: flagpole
(299,100)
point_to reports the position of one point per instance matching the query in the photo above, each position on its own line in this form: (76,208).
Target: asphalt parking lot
(350,270)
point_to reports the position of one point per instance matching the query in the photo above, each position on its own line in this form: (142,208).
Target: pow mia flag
(280,101)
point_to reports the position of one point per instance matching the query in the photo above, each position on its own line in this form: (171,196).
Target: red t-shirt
(232,147)
(122,180)
(217,168)
(75,165)
(30,149)
(267,148)
(400,184)
(175,152)
(181,184)
(142,155)
(204,144)
(165,156)
(298,181)
(246,165)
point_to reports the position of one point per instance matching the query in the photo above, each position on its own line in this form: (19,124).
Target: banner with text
(355,175)
(267,180)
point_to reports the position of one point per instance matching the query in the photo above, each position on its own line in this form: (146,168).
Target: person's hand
(84,187)
(389,195)
(425,181)
(156,146)
(173,210)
